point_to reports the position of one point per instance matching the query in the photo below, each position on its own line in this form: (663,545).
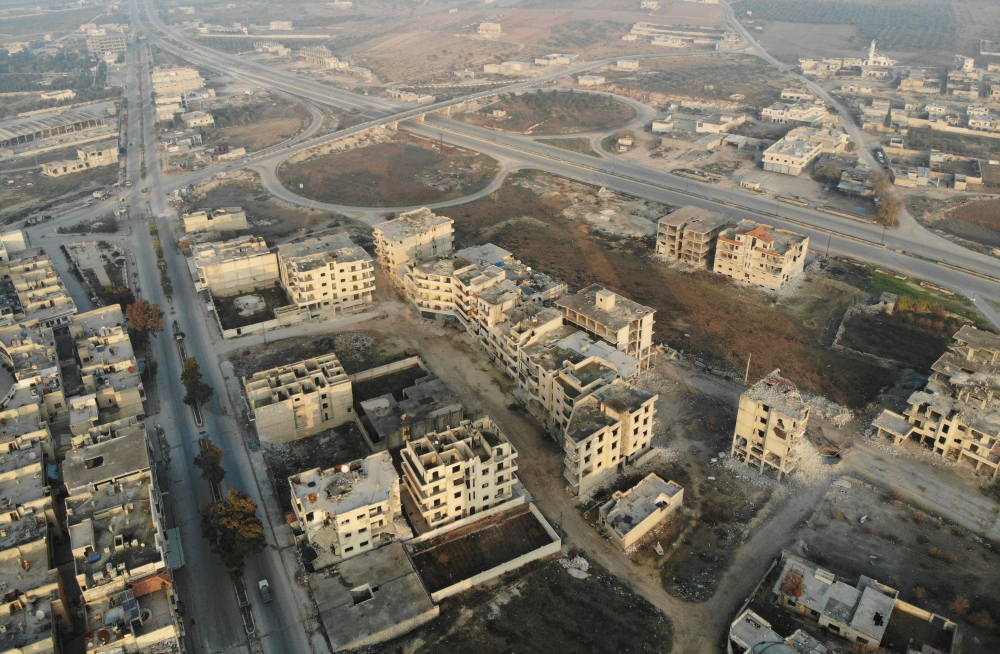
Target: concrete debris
(577,567)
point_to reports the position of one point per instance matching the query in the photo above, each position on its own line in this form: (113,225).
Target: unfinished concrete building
(689,236)
(760,254)
(609,429)
(235,266)
(630,515)
(413,237)
(428,406)
(453,474)
(349,509)
(957,414)
(770,426)
(327,275)
(300,399)
(611,317)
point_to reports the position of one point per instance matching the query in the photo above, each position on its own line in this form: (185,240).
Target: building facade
(235,266)
(760,254)
(328,274)
(413,237)
(689,236)
(770,426)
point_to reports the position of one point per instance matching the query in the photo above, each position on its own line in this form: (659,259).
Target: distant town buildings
(176,80)
(770,426)
(321,57)
(101,44)
(590,80)
(490,30)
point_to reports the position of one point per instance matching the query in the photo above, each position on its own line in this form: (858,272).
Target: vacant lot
(542,608)
(552,112)
(272,218)
(913,339)
(977,221)
(711,78)
(933,564)
(697,312)
(356,350)
(231,316)
(580,145)
(965,145)
(259,125)
(35,187)
(406,171)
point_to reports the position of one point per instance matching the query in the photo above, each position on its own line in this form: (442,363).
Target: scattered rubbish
(711,478)
(863,518)
(713,460)
(658,548)
(578,567)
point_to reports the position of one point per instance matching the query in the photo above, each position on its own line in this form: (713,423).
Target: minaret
(871,54)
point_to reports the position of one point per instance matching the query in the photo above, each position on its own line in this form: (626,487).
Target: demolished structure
(760,254)
(770,426)
(957,414)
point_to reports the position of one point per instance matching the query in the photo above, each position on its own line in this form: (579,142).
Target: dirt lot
(356,350)
(552,112)
(977,221)
(542,608)
(935,565)
(697,312)
(405,171)
(258,125)
(231,316)
(271,218)
(708,78)
(914,339)
(44,188)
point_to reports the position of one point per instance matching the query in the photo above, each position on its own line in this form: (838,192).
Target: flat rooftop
(207,254)
(623,312)
(640,502)
(17,127)
(97,465)
(977,338)
(369,596)
(426,400)
(694,219)
(336,491)
(587,419)
(25,628)
(487,254)
(623,397)
(319,251)
(410,224)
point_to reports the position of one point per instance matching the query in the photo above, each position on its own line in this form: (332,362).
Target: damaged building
(770,426)
(957,414)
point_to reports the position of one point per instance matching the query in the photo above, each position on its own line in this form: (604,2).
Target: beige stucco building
(760,254)
(413,237)
(40,291)
(220,220)
(452,474)
(624,323)
(87,157)
(630,515)
(300,399)
(176,80)
(957,414)
(234,266)
(609,429)
(349,509)
(770,426)
(198,119)
(327,275)
(689,236)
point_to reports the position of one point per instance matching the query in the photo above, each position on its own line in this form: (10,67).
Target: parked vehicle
(265,591)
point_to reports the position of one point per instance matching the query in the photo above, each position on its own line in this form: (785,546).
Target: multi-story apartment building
(624,323)
(609,429)
(107,366)
(490,30)
(300,399)
(120,547)
(102,44)
(349,509)
(329,274)
(230,267)
(688,235)
(957,414)
(455,473)
(28,354)
(770,426)
(760,254)
(41,294)
(413,237)
(791,157)
(223,219)
(176,80)
(321,57)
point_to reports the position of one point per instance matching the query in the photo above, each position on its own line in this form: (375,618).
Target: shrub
(920,517)
(960,606)
(981,619)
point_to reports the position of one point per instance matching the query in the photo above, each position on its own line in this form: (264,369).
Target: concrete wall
(398,629)
(387,369)
(284,316)
(427,535)
(553,548)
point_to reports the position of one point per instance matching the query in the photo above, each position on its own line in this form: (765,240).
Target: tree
(209,461)
(197,392)
(234,530)
(144,319)
(829,172)
(888,211)
(851,146)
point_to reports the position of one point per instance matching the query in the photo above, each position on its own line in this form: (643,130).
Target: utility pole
(746,376)
(828,245)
